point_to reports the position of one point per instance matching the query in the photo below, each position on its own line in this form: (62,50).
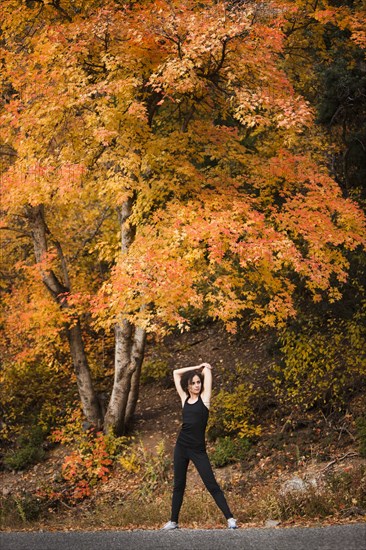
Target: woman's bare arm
(207,386)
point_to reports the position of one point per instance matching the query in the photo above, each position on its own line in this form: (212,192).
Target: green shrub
(154,371)
(320,362)
(33,394)
(24,457)
(29,450)
(228,451)
(156,469)
(361,434)
(17,510)
(232,409)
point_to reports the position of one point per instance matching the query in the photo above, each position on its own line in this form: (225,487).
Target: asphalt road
(338,537)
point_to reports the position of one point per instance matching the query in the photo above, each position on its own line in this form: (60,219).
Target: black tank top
(192,433)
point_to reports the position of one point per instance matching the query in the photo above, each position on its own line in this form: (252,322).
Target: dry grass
(340,495)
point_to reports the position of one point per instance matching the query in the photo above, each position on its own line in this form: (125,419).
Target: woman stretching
(194,385)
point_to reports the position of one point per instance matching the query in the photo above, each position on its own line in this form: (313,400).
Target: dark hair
(187,378)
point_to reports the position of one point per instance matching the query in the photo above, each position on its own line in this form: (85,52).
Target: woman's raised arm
(207,384)
(177,375)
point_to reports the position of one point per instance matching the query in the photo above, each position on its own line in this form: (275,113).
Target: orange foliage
(185,108)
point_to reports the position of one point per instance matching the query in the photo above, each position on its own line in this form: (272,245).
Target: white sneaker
(231,523)
(170,525)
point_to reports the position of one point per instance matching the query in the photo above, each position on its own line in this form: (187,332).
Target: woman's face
(195,385)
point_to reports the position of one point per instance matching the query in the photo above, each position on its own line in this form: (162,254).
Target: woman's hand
(207,365)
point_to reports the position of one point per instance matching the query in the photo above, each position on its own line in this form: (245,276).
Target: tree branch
(350,454)
(93,234)
(21,231)
(57,5)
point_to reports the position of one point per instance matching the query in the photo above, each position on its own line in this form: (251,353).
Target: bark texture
(58,289)
(129,351)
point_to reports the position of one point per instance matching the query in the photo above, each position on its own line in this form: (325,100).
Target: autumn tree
(176,126)
(325,55)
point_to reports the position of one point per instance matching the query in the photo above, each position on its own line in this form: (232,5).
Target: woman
(194,385)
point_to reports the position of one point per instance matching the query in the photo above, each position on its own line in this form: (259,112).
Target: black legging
(182,456)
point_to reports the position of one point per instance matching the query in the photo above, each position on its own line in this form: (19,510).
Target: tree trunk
(129,352)
(124,368)
(57,289)
(129,355)
(138,350)
(88,397)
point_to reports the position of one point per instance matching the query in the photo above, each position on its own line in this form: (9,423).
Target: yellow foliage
(320,364)
(232,408)
(130,462)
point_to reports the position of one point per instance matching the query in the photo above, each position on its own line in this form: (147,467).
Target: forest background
(178,172)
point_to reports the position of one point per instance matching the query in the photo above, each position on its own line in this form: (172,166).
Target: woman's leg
(181,462)
(202,463)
